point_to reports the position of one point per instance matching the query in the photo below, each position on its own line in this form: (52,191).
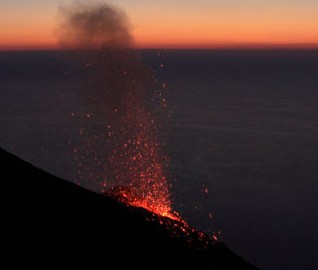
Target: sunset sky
(30,24)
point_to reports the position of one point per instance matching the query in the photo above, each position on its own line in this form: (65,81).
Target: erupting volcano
(139,159)
(120,95)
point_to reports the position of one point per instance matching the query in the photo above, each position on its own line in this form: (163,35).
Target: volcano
(47,219)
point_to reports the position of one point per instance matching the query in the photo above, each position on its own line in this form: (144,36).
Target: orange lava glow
(139,158)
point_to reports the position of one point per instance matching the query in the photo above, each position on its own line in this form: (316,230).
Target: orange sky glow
(169,27)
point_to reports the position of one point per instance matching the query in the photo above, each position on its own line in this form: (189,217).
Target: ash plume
(98,40)
(122,145)
(94,26)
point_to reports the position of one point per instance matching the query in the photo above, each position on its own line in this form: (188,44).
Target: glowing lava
(138,160)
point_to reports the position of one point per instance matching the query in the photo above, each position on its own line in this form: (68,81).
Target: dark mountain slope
(47,219)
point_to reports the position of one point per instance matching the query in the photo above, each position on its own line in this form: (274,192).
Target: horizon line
(233,46)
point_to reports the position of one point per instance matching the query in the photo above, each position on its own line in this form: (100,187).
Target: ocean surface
(241,132)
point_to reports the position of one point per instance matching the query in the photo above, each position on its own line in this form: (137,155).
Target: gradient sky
(27,24)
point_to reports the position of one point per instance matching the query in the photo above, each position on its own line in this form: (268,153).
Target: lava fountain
(117,89)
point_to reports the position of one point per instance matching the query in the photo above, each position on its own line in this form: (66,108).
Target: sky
(31,24)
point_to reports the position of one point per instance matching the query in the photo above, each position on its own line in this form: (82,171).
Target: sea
(240,131)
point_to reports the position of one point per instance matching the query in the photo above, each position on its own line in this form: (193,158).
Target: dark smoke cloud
(93,26)
(98,39)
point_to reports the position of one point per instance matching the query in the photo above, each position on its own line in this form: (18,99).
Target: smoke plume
(122,142)
(94,26)
(98,39)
